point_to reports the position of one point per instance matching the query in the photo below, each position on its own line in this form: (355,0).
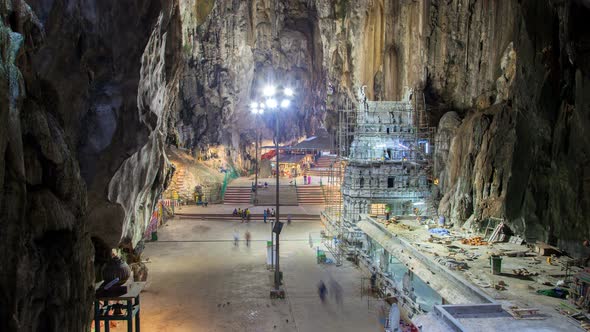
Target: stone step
(237,195)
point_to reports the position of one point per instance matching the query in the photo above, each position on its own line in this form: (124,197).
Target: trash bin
(496,263)
(154,236)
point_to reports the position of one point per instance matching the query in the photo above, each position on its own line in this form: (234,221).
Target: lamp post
(257,109)
(271,103)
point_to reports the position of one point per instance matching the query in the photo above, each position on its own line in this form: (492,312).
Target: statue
(408,95)
(362,96)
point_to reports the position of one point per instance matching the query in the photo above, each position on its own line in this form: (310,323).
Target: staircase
(177,187)
(310,195)
(237,195)
(267,196)
(322,167)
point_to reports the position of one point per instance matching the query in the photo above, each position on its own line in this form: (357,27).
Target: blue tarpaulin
(439,231)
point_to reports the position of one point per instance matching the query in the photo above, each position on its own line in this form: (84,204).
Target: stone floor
(198,281)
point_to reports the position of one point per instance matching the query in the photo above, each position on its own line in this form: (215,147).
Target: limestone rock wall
(86,88)
(521,152)
(45,249)
(139,181)
(232,50)
(380,44)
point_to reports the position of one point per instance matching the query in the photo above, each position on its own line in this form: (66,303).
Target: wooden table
(130,308)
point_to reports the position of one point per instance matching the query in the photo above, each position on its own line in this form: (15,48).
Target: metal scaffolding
(384,163)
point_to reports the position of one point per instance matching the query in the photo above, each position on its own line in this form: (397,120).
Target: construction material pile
(475,241)
(522,272)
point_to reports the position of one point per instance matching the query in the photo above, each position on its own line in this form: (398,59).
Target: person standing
(289,220)
(236,237)
(264,215)
(248,236)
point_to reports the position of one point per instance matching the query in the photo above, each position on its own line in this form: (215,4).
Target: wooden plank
(545,249)
(496,232)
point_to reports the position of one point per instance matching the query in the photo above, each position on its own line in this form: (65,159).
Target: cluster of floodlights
(270,101)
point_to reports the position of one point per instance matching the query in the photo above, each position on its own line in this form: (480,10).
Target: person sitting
(265,185)
(235,213)
(240,212)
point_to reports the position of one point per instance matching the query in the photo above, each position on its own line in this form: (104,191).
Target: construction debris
(452,264)
(475,241)
(517,253)
(545,249)
(524,272)
(501,285)
(497,234)
(516,239)
(525,313)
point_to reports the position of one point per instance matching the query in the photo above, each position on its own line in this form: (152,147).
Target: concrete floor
(198,281)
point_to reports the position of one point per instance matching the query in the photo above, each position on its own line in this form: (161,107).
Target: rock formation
(521,154)
(233,49)
(86,103)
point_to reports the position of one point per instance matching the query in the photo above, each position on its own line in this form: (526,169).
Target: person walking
(336,291)
(373,281)
(322,291)
(236,237)
(248,236)
(289,220)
